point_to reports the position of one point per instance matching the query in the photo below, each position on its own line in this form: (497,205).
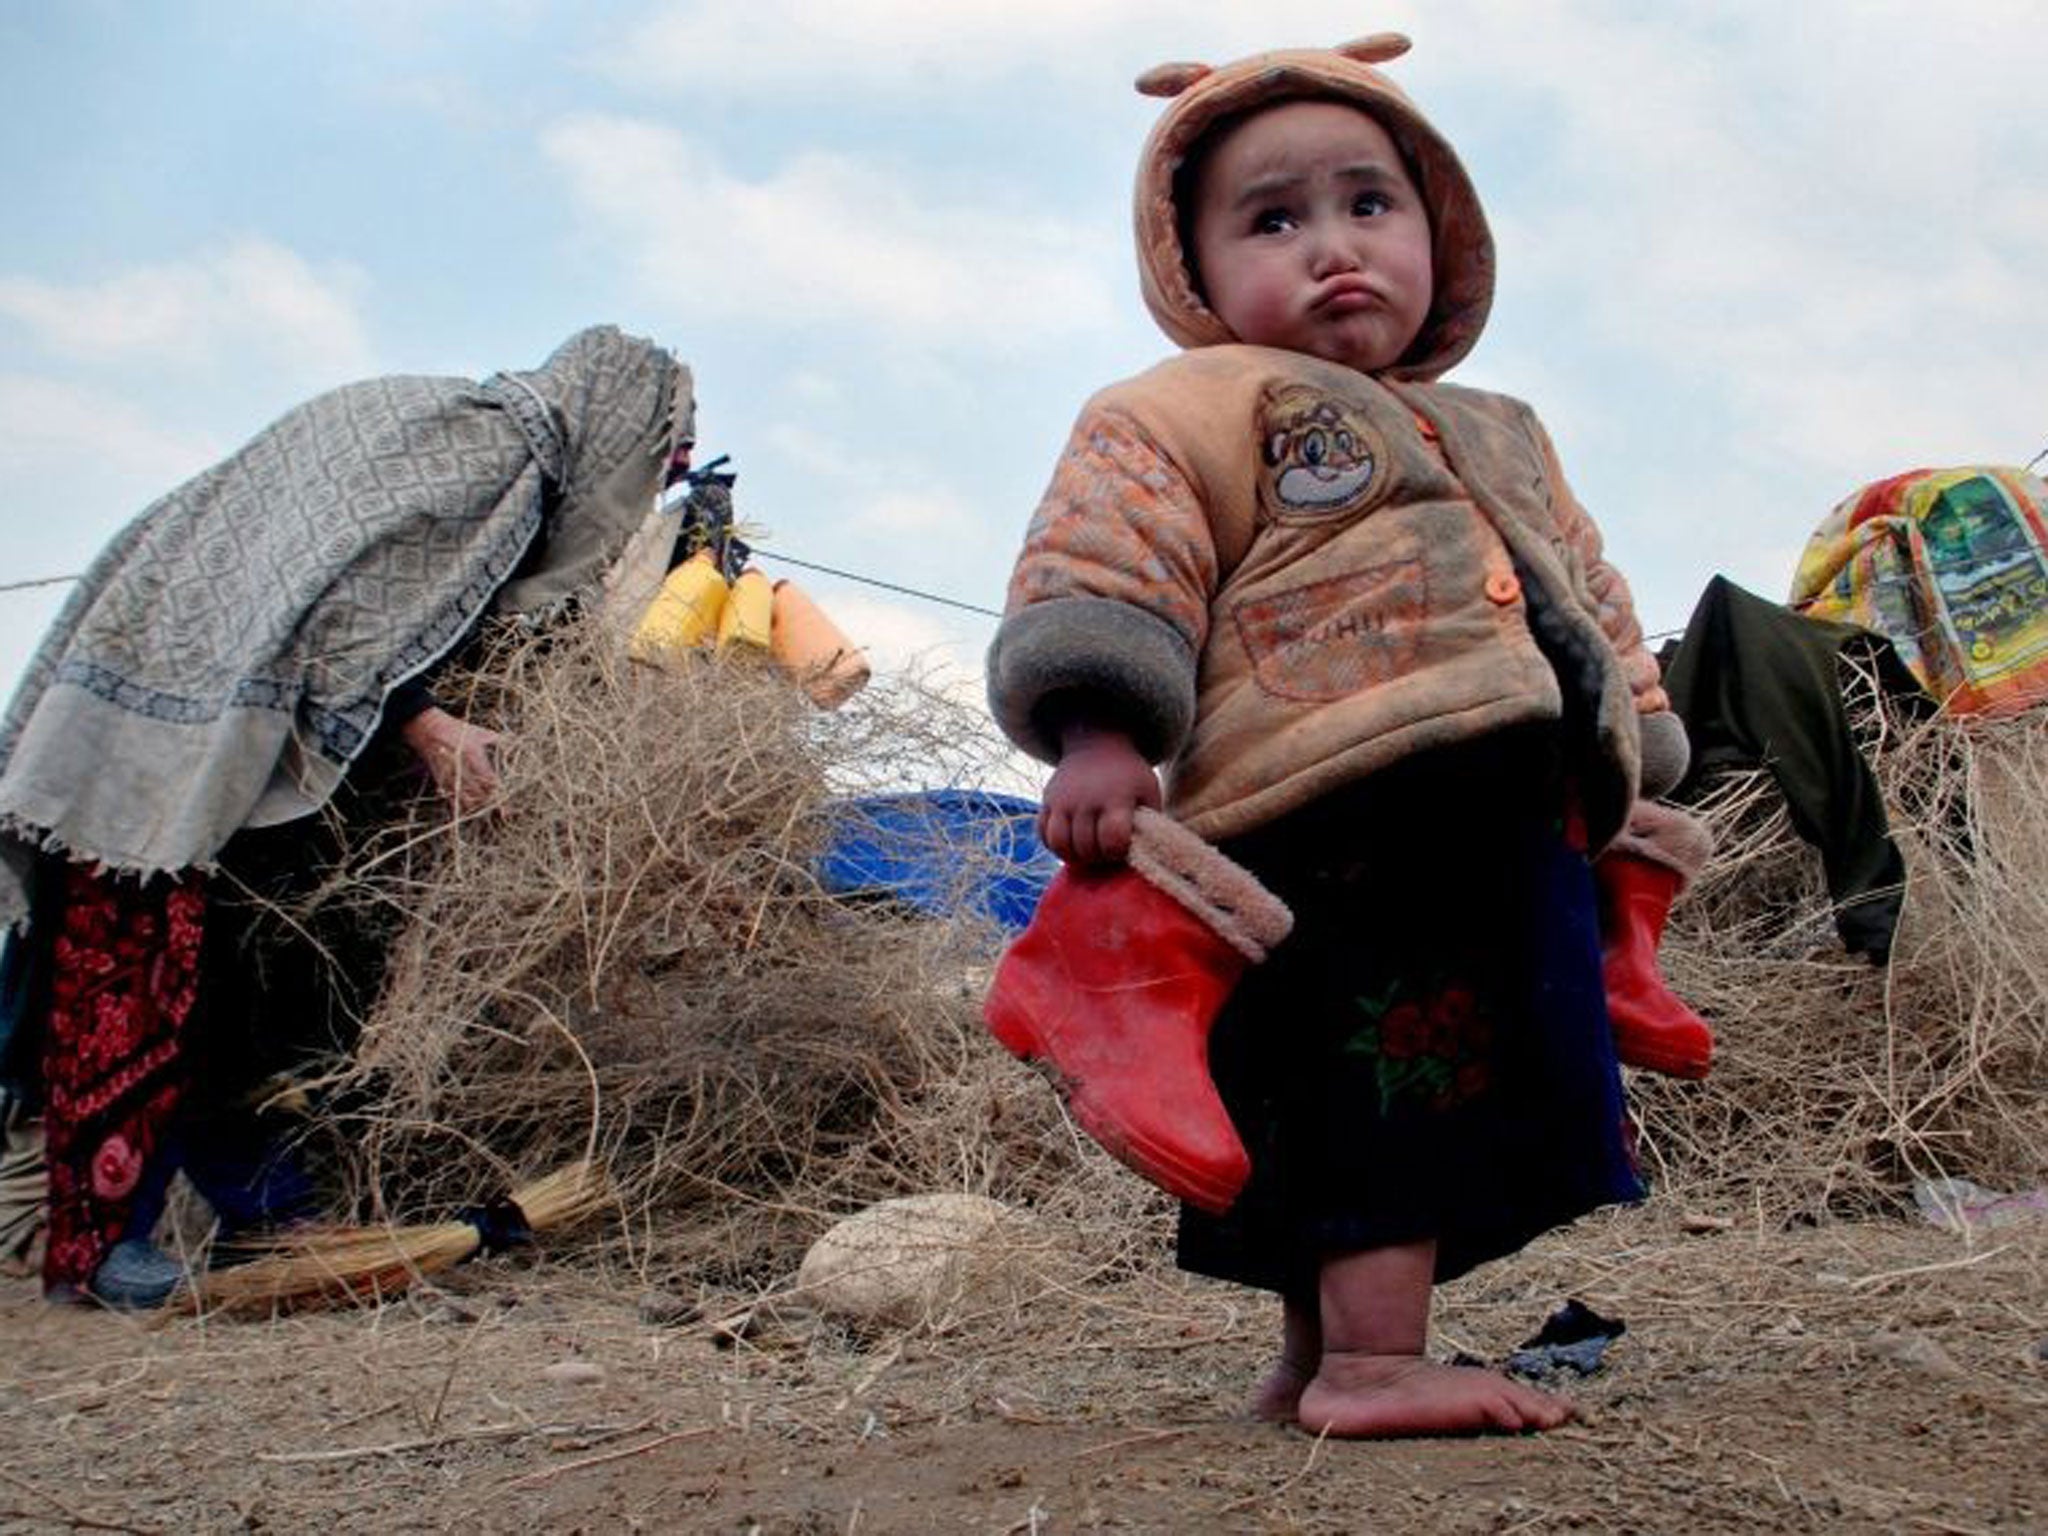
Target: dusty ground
(1854,1377)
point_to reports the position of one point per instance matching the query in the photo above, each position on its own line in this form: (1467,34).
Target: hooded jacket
(1279,574)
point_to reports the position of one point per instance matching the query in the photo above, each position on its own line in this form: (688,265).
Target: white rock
(574,1373)
(913,1259)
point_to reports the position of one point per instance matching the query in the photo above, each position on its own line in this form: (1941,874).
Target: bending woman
(254,639)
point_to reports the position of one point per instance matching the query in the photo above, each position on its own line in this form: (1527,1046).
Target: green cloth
(1758,685)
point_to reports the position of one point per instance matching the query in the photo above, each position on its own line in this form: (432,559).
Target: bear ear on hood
(1170,79)
(1375,49)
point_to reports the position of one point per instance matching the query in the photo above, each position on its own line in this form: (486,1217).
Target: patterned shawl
(229,653)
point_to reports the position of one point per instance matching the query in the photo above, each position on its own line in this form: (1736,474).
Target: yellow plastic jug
(816,651)
(685,612)
(749,608)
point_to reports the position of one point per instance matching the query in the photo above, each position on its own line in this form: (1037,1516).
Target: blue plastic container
(942,852)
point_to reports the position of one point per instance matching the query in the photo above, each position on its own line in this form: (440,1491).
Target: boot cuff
(1223,894)
(1665,835)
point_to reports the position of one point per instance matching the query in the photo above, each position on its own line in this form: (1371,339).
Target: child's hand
(1093,796)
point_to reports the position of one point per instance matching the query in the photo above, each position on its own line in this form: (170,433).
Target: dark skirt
(1428,1055)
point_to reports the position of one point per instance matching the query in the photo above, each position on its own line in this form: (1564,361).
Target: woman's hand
(457,756)
(1092,798)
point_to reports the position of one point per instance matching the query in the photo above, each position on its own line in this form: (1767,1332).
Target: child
(1361,621)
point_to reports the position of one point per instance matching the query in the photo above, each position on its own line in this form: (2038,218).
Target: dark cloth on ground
(1428,1054)
(1758,685)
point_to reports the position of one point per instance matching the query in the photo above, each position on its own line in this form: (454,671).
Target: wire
(772,554)
(2037,458)
(36,581)
(870,581)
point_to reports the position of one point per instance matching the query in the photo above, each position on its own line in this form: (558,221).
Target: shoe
(136,1276)
(1116,983)
(1653,1030)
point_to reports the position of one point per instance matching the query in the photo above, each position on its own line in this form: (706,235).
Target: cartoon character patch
(1320,457)
(1334,638)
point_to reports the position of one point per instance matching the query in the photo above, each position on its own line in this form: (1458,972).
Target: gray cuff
(1666,753)
(1134,662)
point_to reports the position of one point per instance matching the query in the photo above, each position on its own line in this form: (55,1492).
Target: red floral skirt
(124,971)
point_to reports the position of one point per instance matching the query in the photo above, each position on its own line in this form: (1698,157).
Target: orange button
(1503,588)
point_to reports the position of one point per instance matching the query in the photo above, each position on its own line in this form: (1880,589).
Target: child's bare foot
(1278,1398)
(1359,1396)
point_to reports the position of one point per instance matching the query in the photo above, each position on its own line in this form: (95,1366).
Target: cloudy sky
(1752,255)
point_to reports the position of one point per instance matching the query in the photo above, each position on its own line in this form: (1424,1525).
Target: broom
(317,1266)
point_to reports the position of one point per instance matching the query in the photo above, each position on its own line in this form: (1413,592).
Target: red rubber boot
(1652,1028)
(1115,985)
